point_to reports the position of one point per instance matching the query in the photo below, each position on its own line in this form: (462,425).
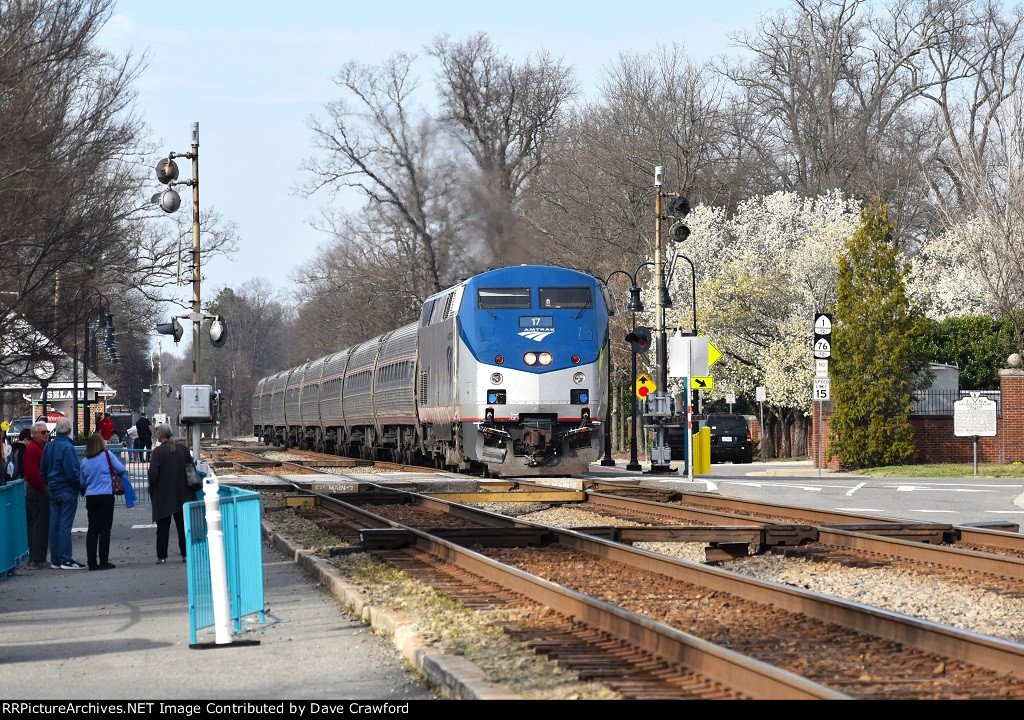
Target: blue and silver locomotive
(504,373)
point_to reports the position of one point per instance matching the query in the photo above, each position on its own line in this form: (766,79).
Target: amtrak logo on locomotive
(537,335)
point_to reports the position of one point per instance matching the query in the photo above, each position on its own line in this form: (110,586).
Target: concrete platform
(123,634)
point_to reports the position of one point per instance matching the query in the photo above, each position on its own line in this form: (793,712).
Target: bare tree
(376,144)
(258,343)
(69,170)
(977,171)
(829,97)
(505,115)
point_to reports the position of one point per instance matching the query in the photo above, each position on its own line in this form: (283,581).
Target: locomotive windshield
(565,297)
(498,298)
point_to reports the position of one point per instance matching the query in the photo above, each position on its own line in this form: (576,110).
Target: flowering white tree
(958,272)
(761,276)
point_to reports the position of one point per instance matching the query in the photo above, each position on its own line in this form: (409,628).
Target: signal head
(166,170)
(679,206)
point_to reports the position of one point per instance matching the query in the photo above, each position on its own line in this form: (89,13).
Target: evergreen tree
(877,348)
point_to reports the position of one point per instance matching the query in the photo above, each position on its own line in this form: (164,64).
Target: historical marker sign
(974,416)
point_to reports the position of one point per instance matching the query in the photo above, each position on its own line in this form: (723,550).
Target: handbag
(115,479)
(191,476)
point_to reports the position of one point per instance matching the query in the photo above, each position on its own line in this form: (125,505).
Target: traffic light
(680,208)
(172,328)
(218,331)
(640,339)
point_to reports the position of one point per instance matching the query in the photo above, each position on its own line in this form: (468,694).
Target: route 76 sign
(823,336)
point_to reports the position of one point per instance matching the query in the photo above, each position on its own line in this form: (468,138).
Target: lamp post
(634,306)
(693,278)
(44,373)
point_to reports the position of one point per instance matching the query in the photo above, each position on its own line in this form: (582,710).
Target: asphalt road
(956,501)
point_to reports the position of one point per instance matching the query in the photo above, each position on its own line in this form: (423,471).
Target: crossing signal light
(218,331)
(640,339)
(680,208)
(172,328)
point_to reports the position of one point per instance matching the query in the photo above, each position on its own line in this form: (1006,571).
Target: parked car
(17,425)
(730,438)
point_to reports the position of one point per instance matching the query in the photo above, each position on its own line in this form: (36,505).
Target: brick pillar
(812,444)
(1011,420)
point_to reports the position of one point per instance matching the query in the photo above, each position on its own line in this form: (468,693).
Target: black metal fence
(940,402)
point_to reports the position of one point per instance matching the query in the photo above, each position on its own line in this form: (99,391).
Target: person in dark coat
(168,490)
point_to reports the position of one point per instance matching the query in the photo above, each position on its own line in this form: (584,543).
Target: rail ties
(931,533)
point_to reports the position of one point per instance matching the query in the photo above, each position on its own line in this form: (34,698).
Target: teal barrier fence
(137,464)
(13,527)
(243,551)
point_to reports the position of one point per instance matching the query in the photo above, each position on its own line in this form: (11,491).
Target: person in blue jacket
(98,469)
(62,474)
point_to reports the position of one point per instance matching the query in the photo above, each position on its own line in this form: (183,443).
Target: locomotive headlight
(579,378)
(496,378)
(545,358)
(530,358)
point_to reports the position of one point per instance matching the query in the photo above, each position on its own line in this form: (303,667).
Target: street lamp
(44,373)
(693,278)
(635,305)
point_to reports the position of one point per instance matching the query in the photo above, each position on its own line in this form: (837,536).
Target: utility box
(196,403)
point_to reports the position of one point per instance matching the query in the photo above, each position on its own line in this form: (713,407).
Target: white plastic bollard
(218,564)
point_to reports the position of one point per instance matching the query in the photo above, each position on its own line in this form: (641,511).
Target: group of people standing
(55,479)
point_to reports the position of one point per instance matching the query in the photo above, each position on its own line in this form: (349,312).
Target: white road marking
(844,509)
(143,527)
(1007,512)
(774,485)
(911,488)
(922,510)
(852,490)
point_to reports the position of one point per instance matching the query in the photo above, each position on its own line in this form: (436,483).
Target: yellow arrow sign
(644,387)
(714,355)
(705,382)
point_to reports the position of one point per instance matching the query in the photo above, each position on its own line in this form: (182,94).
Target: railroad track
(847,648)
(914,678)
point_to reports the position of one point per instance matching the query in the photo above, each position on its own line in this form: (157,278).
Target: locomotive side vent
(423,387)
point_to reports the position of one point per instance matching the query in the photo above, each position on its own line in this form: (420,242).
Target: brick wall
(933,434)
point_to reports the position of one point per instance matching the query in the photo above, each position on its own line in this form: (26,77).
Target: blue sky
(252,74)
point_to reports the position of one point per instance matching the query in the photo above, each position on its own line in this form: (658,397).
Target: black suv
(730,438)
(17,425)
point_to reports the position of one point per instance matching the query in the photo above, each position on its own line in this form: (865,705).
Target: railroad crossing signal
(644,387)
(640,339)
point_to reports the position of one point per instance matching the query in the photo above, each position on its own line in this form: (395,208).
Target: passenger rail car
(505,373)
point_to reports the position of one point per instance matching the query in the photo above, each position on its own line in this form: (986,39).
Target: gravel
(954,603)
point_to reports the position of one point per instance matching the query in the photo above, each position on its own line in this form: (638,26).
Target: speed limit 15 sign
(822,389)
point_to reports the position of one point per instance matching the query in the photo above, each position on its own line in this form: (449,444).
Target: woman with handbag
(103,476)
(169,490)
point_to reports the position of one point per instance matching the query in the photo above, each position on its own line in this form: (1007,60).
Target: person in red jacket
(37,497)
(106,427)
